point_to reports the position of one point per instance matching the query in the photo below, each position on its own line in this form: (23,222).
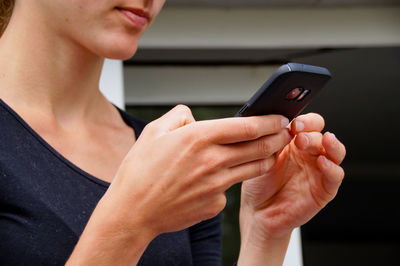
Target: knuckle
(183,114)
(215,186)
(217,164)
(250,129)
(197,143)
(151,127)
(265,147)
(208,163)
(261,168)
(217,206)
(221,203)
(183,109)
(214,159)
(277,124)
(186,114)
(264,166)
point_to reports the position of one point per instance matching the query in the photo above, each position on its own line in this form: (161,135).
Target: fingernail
(327,163)
(299,126)
(307,140)
(333,138)
(284,122)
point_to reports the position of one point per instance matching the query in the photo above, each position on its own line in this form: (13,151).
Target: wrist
(259,246)
(268,253)
(112,237)
(265,225)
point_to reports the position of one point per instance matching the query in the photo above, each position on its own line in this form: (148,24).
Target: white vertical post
(112,83)
(294,253)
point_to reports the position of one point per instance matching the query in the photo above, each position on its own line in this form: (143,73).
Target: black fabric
(46,201)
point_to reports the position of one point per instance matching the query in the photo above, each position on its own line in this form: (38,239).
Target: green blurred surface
(230,227)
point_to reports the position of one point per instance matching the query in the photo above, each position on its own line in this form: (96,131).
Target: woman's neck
(47,72)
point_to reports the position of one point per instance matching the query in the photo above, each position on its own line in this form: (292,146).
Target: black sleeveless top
(46,201)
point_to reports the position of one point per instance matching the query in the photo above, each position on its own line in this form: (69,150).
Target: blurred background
(214,54)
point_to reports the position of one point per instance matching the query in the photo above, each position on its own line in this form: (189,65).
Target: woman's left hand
(305,177)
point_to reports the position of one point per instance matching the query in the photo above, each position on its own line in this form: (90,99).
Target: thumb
(177,117)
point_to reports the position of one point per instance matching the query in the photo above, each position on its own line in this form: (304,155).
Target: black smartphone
(288,91)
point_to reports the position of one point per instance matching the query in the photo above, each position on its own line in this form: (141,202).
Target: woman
(73,168)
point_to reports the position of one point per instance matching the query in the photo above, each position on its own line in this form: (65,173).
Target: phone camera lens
(303,95)
(293,94)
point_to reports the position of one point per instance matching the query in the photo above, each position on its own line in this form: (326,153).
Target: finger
(240,129)
(307,123)
(261,148)
(335,150)
(249,170)
(310,142)
(177,117)
(333,175)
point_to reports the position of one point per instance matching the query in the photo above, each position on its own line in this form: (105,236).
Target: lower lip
(137,20)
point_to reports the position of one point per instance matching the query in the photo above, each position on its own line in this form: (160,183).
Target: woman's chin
(120,50)
(121,54)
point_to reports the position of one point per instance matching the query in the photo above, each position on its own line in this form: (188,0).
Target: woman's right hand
(178,171)
(175,176)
